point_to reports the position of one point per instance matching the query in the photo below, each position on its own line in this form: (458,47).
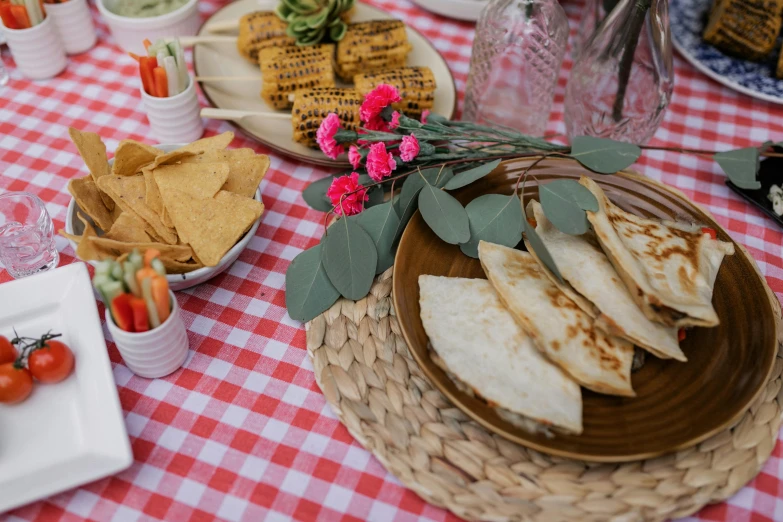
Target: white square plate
(73,432)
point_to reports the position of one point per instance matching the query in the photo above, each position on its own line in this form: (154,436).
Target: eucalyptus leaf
(469,176)
(445,215)
(602,155)
(564,202)
(410,190)
(741,166)
(315,194)
(495,218)
(437,176)
(349,258)
(381,224)
(406,211)
(376,196)
(534,242)
(308,291)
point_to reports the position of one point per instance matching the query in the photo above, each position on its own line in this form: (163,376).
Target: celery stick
(116,271)
(182,67)
(146,291)
(162,57)
(137,260)
(111,290)
(172,75)
(130,278)
(157,265)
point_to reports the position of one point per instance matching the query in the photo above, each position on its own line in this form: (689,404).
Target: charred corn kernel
(744,28)
(285,70)
(416,86)
(312,106)
(372,46)
(259,30)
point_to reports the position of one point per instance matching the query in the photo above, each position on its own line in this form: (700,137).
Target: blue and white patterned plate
(757,79)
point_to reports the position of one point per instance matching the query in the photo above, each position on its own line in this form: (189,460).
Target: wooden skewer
(190,41)
(223,27)
(211,79)
(231,114)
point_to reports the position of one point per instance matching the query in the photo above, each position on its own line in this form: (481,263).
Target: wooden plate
(677,404)
(223,59)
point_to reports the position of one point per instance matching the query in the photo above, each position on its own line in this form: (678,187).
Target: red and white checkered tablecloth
(242,431)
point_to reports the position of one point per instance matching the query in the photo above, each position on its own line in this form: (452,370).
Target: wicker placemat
(363,366)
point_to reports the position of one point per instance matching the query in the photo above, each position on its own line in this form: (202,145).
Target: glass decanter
(517,54)
(622,80)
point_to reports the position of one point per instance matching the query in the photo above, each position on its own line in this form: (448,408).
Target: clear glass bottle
(517,54)
(622,80)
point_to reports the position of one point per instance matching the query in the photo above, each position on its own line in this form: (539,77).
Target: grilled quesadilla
(669,268)
(588,271)
(482,348)
(559,328)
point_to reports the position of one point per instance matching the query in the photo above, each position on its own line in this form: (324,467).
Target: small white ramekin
(37,51)
(74,24)
(175,119)
(130,33)
(155,353)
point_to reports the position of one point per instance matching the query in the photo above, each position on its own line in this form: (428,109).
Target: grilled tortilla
(482,348)
(559,328)
(587,270)
(669,268)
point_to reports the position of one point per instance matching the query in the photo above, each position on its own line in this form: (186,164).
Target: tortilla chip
(115,248)
(246,169)
(171,157)
(93,152)
(128,229)
(131,156)
(238,201)
(129,193)
(152,194)
(200,181)
(177,267)
(213,226)
(218,142)
(88,198)
(86,250)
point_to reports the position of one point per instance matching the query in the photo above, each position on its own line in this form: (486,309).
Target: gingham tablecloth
(242,431)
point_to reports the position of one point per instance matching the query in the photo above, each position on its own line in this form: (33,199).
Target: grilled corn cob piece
(372,46)
(259,30)
(744,28)
(287,69)
(312,106)
(416,86)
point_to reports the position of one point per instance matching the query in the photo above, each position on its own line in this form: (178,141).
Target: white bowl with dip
(129,31)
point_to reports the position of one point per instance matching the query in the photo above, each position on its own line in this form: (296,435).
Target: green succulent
(313,21)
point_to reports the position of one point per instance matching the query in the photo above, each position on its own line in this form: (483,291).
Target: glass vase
(622,80)
(517,54)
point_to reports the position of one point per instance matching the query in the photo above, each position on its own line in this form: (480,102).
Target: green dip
(147,8)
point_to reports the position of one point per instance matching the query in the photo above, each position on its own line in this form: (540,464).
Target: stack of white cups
(154,353)
(39,52)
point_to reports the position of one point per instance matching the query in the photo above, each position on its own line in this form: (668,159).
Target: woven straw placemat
(378,391)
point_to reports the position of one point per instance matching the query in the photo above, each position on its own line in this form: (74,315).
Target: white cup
(74,23)
(175,119)
(157,352)
(38,51)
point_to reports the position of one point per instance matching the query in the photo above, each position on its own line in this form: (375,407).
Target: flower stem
(626,61)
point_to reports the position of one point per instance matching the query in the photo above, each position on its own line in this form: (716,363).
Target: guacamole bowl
(130,26)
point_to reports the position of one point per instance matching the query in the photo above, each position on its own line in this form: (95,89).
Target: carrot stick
(147,81)
(20,14)
(144,273)
(160,295)
(147,43)
(149,255)
(134,56)
(7,16)
(161,82)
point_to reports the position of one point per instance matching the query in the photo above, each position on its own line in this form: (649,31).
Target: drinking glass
(26,235)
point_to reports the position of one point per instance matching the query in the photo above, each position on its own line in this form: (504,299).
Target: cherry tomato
(52,363)
(15,383)
(7,351)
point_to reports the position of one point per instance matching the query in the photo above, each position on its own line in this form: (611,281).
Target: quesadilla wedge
(564,333)
(484,351)
(669,268)
(589,272)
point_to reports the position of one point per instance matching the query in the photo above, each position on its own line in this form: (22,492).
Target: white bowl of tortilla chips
(199,204)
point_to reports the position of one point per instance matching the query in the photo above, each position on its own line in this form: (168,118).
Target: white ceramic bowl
(131,32)
(176,281)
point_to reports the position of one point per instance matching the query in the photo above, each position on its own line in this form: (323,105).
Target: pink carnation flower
(380,163)
(374,103)
(325,136)
(409,148)
(395,121)
(424,115)
(354,156)
(351,204)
